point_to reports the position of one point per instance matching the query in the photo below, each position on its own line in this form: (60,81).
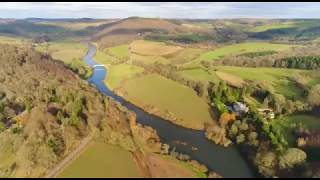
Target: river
(228,162)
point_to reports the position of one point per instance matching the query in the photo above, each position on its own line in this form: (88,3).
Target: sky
(190,10)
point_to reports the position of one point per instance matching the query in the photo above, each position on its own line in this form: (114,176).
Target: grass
(70,53)
(198,74)
(276,77)
(104,58)
(185,55)
(121,51)
(278,25)
(66,51)
(282,25)
(149,59)
(121,72)
(169,97)
(102,160)
(7,159)
(306,120)
(309,121)
(12,40)
(150,48)
(185,165)
(242,48)
(231,79)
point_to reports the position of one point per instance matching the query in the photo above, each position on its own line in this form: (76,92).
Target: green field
(185,55)
(276,77)
(66,51)
(105,58)
(102,160)
(118,73)
(121,51)
(169,97)
(198,74)
(149,59)
(309,121)
(241,48)
(278,25)
(282,25)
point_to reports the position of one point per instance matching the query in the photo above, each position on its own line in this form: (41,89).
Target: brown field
(149,48)
(230,79)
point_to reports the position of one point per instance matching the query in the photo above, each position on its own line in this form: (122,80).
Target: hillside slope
(46,110)
(125,30)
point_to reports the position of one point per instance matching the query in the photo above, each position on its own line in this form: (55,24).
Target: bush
(292,157)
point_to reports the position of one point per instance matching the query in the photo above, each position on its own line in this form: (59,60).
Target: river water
(228,162)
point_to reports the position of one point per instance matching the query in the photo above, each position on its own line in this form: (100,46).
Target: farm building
(239,108)
(266,112)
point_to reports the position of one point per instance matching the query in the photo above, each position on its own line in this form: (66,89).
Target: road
(70,158)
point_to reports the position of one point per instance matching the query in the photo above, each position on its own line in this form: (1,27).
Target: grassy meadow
(290,123)
(169,98)
(66,51)
(121,51)
(149,59)
(283,25)
(119,73)
(198,74)
(276,78)
(308,121)
(102,161)
(241,48)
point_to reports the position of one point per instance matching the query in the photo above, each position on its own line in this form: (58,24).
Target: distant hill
(30,30)
(125,30)
(294,29)
(62,20)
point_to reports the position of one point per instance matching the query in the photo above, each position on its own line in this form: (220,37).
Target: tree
(292,157)
(226,118)
(266,162)
(253,139)
(234,130)
(241,138)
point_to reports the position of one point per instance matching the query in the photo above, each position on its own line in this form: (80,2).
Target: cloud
(202,10)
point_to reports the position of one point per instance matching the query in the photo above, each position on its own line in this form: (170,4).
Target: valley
(169,97)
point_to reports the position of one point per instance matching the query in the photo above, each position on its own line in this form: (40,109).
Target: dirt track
(71,157)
